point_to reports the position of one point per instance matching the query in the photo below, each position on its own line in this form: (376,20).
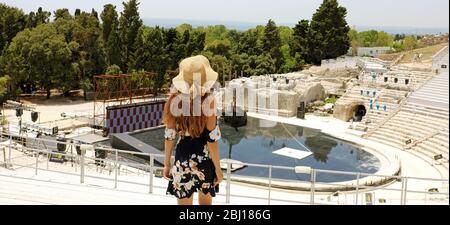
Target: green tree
(110,36)
(289,61)
(252,65)
(286,35)
(196,43)
(86,85)
(180,46)
(354,42)
(184,42)
(12,21)
(250,43)
(129,25)
(150,56)
(240,63)
(272,44)
(184,27)
(62,14)
(399,37)
(4,83)
(112,51)
(410,42)
(220,47)
(368,38)
(214,33)
(91,49)
(384,39)
(171,39)
(264,64)
(42,16)
(110,20)
(4,80)
(234,37)
(77,12)
(398,46)
(301,45)
(37,18)
(330,32)
(94,13)
(67,27)
(113,70)
(220,64)
(32,55)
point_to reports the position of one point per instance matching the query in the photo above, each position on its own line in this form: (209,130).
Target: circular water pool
(256,142)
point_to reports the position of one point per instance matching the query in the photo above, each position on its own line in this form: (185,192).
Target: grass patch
(331,100)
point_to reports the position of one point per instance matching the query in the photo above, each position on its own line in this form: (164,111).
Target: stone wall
(310,92)
(344,111)
(288,90)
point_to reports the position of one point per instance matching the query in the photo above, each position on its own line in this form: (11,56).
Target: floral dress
(193,168)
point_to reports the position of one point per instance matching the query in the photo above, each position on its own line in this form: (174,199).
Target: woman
(190,114)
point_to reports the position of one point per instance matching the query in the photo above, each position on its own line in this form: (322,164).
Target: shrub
(331,100)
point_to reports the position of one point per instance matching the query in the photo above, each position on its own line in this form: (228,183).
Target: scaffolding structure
(120,89)
(227,72)
(123,89)
(172,74)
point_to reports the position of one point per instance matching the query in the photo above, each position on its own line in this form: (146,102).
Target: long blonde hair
(194,125)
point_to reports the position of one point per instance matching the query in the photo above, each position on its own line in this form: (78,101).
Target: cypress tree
(110,34)
(330,31)
(272,44)
(129,25)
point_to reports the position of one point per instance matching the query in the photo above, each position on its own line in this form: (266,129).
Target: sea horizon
(242,26)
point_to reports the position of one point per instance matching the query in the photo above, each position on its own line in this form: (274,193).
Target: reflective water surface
(255,143)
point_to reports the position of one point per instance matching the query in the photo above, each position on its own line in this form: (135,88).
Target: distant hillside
(405,30)
(427,54)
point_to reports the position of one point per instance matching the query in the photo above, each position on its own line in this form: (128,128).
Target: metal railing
(317,189)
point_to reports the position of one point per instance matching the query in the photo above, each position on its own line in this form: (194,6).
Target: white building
(373,51)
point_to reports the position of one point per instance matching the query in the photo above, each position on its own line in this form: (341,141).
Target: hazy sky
(409,13)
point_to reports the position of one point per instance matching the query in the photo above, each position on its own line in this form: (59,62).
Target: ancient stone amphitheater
(403,106)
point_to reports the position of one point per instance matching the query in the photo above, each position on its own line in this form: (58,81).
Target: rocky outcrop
(288,90)
(310,92)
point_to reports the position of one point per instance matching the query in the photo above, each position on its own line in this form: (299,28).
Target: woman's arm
(215,155)
(168,146)
(213,145)
(169,137)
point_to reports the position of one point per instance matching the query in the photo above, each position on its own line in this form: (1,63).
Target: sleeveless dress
(193,169)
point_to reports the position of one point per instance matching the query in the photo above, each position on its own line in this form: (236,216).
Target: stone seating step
(386,140)
(423,116)
(410,123)
(426,107)
(442,137)
(425,113)
(414,123)
(432,150)
(438,142)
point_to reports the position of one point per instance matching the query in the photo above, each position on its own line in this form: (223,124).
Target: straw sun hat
(196,76)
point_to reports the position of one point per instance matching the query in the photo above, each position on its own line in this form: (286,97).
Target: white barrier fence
(355,193)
